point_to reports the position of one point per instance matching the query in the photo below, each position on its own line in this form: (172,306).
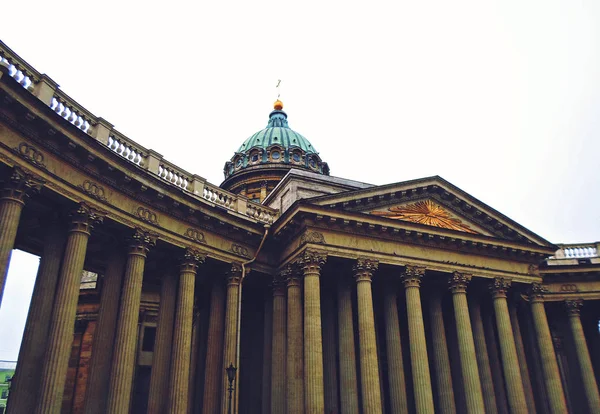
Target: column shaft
(161,360)
(347,354)
(278,367)
(510,361)
(182,335)
(16,190)
(527,387)
(369,366)
(60,332)
(466,345)
(295,346)
(418,346)
(99,372)
(123,363)
(583,357)
(483,359)
(329,353)
(314,399)
(231,327)
(556,396)
(214,350)
(31,354)
(267,344)
(443,374)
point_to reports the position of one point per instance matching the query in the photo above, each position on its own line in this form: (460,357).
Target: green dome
(275,146)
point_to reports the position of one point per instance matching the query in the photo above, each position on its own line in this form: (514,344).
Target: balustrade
(577,251)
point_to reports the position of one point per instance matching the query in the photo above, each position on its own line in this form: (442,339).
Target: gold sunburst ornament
(425,212)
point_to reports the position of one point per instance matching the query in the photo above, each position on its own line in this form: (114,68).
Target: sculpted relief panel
(425,212)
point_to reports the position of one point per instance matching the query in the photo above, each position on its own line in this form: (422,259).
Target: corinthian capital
(141,241)
(311,261)
(412,276)
(191,259)
(85,217)
(573,307)
(234,275)
(21,185)
(536,292)
(458,282)
(364,268)
(499,287)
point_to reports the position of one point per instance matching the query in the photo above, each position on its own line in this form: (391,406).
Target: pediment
(432,202)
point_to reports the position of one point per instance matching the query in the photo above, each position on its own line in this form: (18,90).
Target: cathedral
(282,290)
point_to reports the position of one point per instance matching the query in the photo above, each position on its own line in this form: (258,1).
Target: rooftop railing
(66,107)
(577,251)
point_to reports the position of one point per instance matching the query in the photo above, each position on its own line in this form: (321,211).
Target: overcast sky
(501,98)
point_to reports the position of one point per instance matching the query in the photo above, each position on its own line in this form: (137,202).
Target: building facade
(327,295)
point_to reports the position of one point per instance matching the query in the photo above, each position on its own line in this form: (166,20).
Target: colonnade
(305,375)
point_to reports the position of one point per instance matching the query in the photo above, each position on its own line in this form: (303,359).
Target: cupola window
(296,157)
(312,163)
(254,157)
(238,163)
(275,155)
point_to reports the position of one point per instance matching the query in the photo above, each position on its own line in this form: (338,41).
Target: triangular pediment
(432,202)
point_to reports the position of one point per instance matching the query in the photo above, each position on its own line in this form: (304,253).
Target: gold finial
(278,105)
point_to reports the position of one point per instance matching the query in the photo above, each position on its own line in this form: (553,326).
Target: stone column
(510,361)
(15,192)
(278,368)
(234,278)
(474,397)
(443,374)
(97,386)
(483,359)
(314,399)
(347,354)
(554,388)
(31,354)
(514,321)
(123,362)
(182,333)
(60,332)
(214,351)
(267,345)
(418,347)
(295,344)
(583,356)
(161,358)
(369,366)
(330,377)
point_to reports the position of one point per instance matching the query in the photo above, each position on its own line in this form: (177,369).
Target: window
(254,157)
(296,157)
(275,155)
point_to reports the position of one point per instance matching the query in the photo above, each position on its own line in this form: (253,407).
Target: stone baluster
(123,362)
(99,373)
(583,356)
(234,278)
(182,333)
(311,262)
(60,332)
(441,360)
(295,344)
(474,397)
(31,354)
(15,191)
(418,347)
(278,357)
(214,350)
(556,395)
(161,358)
(347,354)
(510,361)
(483,359)
(369,366)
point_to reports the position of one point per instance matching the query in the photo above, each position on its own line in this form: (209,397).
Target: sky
(501,98)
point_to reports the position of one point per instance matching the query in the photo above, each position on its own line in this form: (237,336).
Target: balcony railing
(66,107)
(577,251)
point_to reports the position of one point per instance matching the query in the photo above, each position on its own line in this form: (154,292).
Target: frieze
(31,154)
(93,190)
(195,235)
(312,237)
(240,250)
(569,287)
(146,215)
